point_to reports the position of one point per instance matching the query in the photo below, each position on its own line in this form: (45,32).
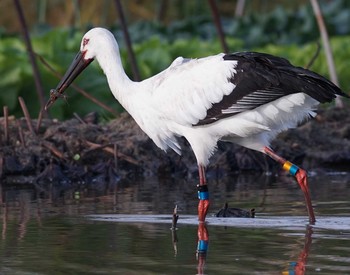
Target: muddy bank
(83,152)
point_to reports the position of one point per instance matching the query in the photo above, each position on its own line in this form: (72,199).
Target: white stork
(246,98)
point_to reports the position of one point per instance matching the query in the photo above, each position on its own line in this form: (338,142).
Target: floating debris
(227,212)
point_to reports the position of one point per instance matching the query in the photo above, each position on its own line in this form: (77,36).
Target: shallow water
(125,229)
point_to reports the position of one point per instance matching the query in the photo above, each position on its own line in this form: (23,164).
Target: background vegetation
(159,35)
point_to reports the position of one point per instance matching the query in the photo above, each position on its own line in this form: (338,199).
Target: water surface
(52,231)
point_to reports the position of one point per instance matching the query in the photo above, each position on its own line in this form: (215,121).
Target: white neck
(111,64)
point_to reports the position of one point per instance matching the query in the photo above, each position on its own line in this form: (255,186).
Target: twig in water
(175,218)
(173,230)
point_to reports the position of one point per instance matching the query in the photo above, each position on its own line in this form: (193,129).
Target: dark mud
(83,152)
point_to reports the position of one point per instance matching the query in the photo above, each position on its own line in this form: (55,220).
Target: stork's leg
(203,195)
(301,177)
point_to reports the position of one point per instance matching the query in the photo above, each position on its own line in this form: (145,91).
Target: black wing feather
(262,78)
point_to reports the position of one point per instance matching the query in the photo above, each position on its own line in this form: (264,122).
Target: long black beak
(77,66)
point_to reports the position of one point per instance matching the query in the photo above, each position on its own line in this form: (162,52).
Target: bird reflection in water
(202,247)
(295,268)
(299,267)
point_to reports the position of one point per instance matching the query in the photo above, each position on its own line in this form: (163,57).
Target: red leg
(203,195)
(300,176)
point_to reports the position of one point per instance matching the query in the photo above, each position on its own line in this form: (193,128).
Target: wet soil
(80,151)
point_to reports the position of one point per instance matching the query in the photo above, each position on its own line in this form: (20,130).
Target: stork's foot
(301,177)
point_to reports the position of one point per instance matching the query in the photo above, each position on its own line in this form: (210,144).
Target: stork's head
(91,44)
(96,41)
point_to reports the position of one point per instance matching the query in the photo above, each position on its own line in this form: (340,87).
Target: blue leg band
(202,246)
(293,170)
(290,167)
(203,193)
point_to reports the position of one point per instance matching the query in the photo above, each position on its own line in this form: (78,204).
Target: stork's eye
(85,41)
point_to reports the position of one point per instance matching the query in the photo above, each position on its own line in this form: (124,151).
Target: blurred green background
(160,31)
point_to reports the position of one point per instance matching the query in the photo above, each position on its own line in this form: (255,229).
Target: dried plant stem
(115,151)
(6,124)
(40,118)
(26,115)
(240,5)
(95,146)
(39,87)
(20,133)
(54,150)
(327,47)
(216,18)
(314,57)
(1,172)
(79,118)
(135,69)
